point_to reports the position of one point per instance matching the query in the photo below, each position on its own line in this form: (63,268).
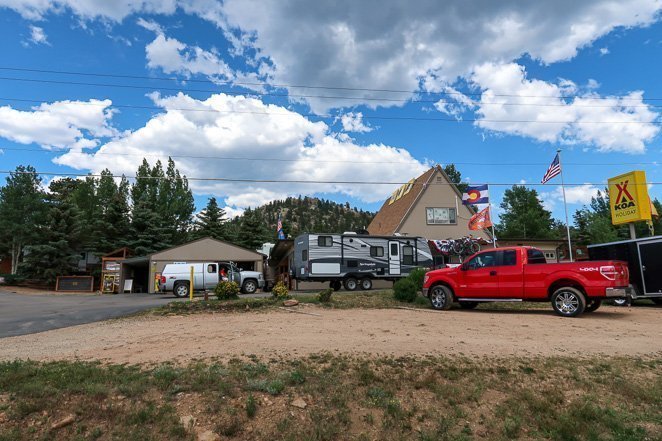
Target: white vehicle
(176,277)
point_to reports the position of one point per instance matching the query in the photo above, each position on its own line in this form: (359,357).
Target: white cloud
(604,50)
(353,122)
(578,195)
(536,109)
(38,36)
(59,124)
(241,127)
(89,9)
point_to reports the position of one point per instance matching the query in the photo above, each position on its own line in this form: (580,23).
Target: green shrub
(405,290)
(417,276)
(280,291)
(325,296)
(251,406)
(12,279)
(227,290)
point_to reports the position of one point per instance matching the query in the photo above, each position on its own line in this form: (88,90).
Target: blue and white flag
(476,195)
(279,229)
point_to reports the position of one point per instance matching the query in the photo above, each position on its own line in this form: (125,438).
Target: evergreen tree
(252,231)
(22,206)
(58,250)
(455,177)
(211,221)
(524,216)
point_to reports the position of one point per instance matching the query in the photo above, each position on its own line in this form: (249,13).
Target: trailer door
(394,258)
(651,266)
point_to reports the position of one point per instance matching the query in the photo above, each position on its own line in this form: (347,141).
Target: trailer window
(211,268)
(408,255)
(376,251)
(324,241)
(304,255)
(535,256)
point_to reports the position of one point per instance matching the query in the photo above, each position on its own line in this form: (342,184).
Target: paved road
(27,314)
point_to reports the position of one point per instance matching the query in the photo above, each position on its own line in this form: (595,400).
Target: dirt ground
(609,331)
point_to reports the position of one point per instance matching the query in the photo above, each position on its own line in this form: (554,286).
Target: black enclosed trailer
(644,258)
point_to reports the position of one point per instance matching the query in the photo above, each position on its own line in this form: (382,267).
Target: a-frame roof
(391,215)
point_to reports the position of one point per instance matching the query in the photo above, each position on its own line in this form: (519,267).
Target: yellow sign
(628,198)
(397,194)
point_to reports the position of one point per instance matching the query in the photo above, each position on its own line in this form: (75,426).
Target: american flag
(279,229)
(553,170)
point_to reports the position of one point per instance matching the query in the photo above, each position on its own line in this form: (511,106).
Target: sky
(335,91)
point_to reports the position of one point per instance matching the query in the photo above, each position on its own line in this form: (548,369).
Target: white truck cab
(176,277)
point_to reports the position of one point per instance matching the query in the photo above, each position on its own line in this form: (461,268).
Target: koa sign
(628,198)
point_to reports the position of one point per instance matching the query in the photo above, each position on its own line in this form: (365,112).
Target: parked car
(176,277)
(517,274)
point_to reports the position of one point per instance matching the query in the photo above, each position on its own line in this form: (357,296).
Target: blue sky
(473,77)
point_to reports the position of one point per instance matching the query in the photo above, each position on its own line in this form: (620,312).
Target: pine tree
(253,231)
(211,221)
(58,250)
(22,206)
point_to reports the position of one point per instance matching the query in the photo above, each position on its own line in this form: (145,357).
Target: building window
(407,255)
(376,251)
(304,255)
(550,256)
(440,216)
(325,241)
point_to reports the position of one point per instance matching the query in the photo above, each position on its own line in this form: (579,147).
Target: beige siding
(438,195)
(207,249)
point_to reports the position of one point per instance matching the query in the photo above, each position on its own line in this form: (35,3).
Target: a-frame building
(429,206)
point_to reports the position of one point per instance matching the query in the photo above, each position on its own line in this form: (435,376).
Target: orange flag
(480,220)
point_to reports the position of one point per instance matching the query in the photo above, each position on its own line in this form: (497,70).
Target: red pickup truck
(517,274)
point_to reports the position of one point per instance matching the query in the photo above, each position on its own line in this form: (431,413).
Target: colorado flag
(476,195)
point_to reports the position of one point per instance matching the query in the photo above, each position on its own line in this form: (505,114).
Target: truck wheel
(181,289)
(441,297)
(568,302)
(592,305)
(468,305)
(622,302)
(335,285)
(249,287)
(350,284)
(366,284)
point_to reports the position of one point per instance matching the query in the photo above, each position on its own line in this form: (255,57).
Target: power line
(297,181)
(316,161)
(366,117)
(266,84)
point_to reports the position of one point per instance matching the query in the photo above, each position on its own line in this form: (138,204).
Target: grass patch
(427,398)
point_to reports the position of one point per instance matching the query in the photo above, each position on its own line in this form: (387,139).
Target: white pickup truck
(176,277)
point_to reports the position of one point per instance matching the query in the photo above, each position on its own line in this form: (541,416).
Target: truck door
(651,266)
(510,274)
(479,279)
(211,276)
(394,257)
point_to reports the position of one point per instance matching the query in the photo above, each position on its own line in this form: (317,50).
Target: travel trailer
(355,260)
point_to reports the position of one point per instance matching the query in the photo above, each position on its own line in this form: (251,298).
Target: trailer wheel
(335,285)
(351,284)
(181,289)
(568,302)
(366,284)
(592,305)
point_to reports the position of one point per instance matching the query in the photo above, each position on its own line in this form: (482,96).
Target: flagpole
(492,222)
(565,205)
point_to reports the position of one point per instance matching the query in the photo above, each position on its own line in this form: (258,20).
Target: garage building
(142,272)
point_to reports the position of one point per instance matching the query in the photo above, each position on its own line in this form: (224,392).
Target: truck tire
(468,305)
(181,289)
(592,305)
(441,297)
(335,285)
(351,284)
(366,284)
(568,302)
(249,287)
(622,302)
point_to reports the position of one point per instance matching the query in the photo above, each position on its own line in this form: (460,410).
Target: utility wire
(266,84)
(316,161)
(366,117)
(297,181)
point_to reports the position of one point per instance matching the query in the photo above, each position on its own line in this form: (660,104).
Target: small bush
(12,279)
(227,290)
(405,290)
(280,291)
(325,296)
(417,276)
(251,406)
